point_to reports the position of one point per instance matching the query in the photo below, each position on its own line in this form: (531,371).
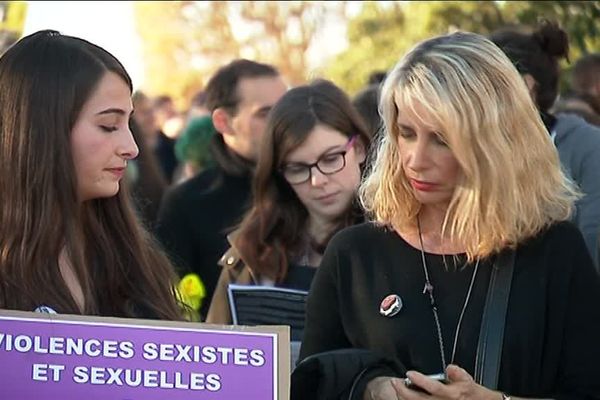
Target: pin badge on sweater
(390,305)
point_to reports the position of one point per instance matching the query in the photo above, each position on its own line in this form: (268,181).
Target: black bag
(340,374)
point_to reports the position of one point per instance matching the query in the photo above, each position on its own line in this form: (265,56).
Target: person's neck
(431,221)
(319,229)
(228,160)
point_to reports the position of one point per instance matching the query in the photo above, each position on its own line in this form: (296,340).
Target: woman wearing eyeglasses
(305,185)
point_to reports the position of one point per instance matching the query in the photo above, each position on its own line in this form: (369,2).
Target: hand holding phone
(438,377)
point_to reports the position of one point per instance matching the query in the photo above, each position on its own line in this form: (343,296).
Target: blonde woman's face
(427,161)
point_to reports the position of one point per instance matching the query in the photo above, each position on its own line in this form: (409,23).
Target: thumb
(456,373)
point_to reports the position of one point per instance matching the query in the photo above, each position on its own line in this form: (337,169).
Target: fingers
(381,388)
(457,374)
(422,383)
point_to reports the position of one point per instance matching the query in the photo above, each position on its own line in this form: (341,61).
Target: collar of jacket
(228,160)
(232,259)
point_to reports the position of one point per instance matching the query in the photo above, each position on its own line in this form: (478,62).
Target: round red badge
(390,306)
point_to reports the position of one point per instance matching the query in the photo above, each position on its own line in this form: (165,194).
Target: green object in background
(193,143)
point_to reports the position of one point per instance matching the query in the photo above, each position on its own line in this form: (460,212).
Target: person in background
(69,238)
(585,80)
(160,121)
(465,175)
(198,106)
(366,102)
(192,147)
(168,119)
(579,104)
(536,56)
(196,216)
(145,178)
(308,171)
(145,119)
(377,77)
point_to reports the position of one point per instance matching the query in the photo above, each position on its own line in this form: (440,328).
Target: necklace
(429,290)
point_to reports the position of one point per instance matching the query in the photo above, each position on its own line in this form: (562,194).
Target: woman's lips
(118,172)
(423,186)
(327,199)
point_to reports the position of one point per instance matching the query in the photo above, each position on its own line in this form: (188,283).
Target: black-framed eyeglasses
(327,164)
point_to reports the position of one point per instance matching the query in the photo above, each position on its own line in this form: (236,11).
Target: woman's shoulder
(561,232)
(360,234)
(556,242)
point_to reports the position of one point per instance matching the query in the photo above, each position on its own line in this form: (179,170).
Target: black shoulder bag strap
(491,336)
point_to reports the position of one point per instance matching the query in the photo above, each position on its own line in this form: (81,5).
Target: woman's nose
(317,178)
(128,148)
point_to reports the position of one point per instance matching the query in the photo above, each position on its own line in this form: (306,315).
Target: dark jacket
(165,155)
(196,216)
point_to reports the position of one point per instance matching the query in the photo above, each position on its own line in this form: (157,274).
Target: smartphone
(437,377)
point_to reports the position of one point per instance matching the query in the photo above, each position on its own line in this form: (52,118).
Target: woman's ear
(531,85)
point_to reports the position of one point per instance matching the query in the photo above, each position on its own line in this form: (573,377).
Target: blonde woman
(464,171)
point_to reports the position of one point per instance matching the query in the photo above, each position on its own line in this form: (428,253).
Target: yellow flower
(192,291)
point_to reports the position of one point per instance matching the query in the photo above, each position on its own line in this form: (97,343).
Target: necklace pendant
(428,288)
(390,305)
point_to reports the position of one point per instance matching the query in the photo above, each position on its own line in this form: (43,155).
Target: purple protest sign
(72,357)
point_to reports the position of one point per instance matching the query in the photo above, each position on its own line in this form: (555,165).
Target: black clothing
(196,216)
(299,277)
(165,155)
(307,378)
(553,320)
(549,121)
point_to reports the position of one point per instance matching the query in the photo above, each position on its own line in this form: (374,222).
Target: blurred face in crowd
(164,112)
(246,127)
(427,161)
(328,188)
(145,118)
(101,142)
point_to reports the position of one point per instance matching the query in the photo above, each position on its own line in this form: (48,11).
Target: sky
(108,24)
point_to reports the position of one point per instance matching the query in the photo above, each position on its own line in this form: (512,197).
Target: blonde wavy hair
(511,184)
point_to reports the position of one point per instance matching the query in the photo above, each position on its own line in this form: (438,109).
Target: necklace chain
(429,290)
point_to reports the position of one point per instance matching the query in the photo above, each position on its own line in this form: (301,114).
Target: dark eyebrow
(324,153)
(264,109)
(113,111)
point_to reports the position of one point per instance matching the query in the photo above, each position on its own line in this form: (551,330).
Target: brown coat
(235,271)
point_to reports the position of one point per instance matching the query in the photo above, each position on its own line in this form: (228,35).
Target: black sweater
(196,216)
(551,345)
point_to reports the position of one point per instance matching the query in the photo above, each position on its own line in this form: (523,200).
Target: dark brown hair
(366,103)
(271,229)
(149,184)
(586,73)
(537,54)
(222,88)
(45,79)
